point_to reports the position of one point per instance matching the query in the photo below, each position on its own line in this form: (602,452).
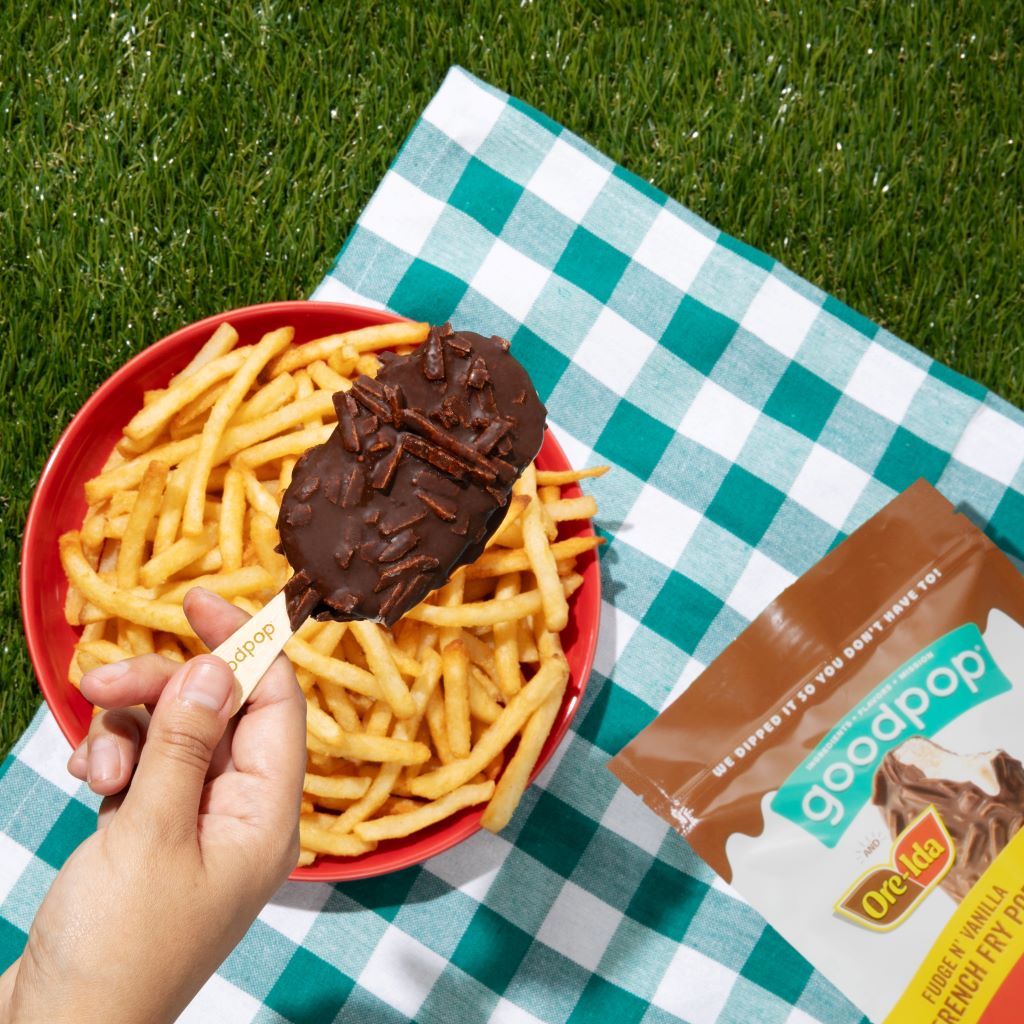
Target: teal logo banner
(941,682)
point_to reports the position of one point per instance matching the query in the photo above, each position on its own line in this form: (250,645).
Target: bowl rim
(454,830)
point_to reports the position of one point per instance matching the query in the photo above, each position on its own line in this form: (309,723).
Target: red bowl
(59,505)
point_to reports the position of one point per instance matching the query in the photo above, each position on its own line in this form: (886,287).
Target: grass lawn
(160,162)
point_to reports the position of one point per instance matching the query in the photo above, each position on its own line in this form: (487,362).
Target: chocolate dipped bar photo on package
(852,765)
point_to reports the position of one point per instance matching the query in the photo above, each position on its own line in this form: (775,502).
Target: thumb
(187,724)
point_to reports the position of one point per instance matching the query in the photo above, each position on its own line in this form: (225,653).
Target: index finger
(123,684)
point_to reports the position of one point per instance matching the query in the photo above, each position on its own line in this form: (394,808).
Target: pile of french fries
(448,709)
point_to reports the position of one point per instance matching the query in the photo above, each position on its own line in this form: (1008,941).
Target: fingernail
(104,759)
(107,673)
(207,683)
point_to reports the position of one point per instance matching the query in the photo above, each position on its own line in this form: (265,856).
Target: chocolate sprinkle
(422,464)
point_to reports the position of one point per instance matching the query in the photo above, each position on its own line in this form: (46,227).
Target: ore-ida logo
(827,790)
(921,857)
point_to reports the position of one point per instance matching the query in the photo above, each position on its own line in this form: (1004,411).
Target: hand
(187,851)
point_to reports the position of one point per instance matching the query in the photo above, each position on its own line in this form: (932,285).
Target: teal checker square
(939,413)
(363,1007)
(419,915)
(636,959)
(544,363)
(776,966)
(427,292)
(579,759)
(664,387)
(620,215)
(985,493)
(715,559)
(666,900)
(485,195)
(724,628)
(678,854)
(909,457)
(612,867)
(23,900)
(748,1002)
(12,943)
(698,334)
(538,231)
(796,538)
(309,990)
(747,252)
(857,434)
(1006,527)
(774,453)
(601,1000)
(255,963)
(516,145)
(581,404)
(547,984)
(378,266)
(555,834)
(642,185)
(649,665)
(745,505)
(802,401)
(799,284)
(384,894)
(491,949)
(47,803)
(624,427)
(616,493)
(898,347)
(690,473)
(850,317)
(458,244)
(592,264)
(749,369)
(957,381)
(458,996)
(630,578)
(682,612)
(614,717)
(727,283)
(563,315)
(74,825)
(431,161)
(645,299)
(361,939)
(724,929)
(832,350)
(524,889)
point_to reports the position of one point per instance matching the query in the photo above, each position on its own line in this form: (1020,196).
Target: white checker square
(576,452)
(568,180)
(401,971)
(759,584)
(294,908)
(885,383)
(401,214)
(472,866)
(579,926)
(828,485)
(719,420)
(14,858)
(780,317)
(674,250)
(614,351)
(992,444)
(506,1012)
(660,526)
(464,111)
(330,289)
(694,987)
(510,280)
(47,753)
(617,629)
(682,684)
(221,1001)
(628,816)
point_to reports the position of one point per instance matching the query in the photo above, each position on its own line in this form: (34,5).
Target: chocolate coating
(413,480)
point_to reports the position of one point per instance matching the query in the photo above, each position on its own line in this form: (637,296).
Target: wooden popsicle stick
(254,645)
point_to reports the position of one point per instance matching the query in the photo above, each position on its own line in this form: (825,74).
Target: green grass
(160,162)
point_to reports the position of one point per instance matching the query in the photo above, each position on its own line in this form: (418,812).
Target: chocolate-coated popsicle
(413,480)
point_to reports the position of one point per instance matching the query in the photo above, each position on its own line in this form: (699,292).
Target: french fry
(498,562)
(346,787)
(394,826)
(144,509)
(561,477)
(232,515)
(542,562)
(382,665)
(223,339)
(366,339)
(173,559)
(313,836)
(506,647)
(565,509)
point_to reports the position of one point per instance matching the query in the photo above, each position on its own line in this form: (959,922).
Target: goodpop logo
(248,649)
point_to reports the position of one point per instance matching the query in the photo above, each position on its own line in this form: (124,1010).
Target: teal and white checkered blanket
(751,421)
